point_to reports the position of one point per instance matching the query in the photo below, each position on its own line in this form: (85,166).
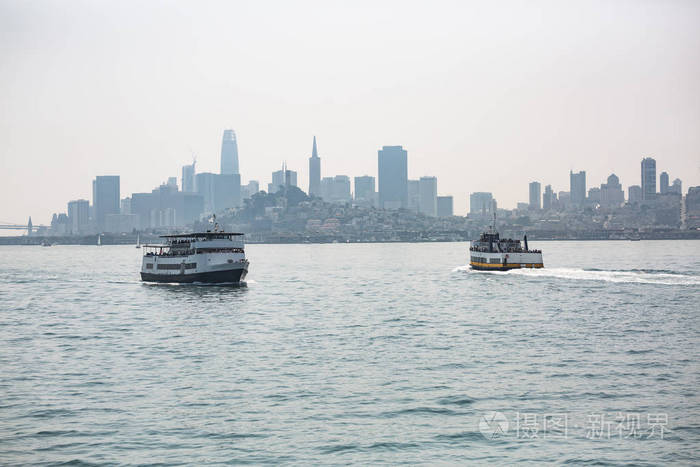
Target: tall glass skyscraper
(480,203)
(427,196)
(663,183)
(413,188)
(445,206)
(577,187)
(282,178)
(188,172)
(79,215)
(105,197)
(314,172)
(548,198)
(535,195)
(393,177)
(229,153)
(648,178)
(218,191)
(364,189)
(204,184)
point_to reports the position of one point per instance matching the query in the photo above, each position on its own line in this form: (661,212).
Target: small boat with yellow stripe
(492,253)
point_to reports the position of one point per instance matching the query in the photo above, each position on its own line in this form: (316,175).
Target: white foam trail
(633,277)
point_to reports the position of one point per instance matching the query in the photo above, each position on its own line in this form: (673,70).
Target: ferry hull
(504,267)
(505,261)
(210,277)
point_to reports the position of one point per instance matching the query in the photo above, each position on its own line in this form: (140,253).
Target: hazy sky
(487,96)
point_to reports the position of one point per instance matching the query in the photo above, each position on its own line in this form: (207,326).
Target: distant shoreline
(131,239)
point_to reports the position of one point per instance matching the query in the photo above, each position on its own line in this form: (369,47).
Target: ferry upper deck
(492,243)
(197,243)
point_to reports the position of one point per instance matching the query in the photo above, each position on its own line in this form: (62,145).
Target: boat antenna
(493,208)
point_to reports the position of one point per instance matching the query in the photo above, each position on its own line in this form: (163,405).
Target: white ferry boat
(207,257)
(492,253)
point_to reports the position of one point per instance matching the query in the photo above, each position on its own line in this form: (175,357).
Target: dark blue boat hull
(212,277)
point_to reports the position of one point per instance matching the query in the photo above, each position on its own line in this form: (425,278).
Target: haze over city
(484,99)
(322,232)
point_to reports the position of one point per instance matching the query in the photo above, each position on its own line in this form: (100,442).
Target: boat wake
(616,276)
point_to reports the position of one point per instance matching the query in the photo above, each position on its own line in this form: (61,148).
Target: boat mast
(493,209)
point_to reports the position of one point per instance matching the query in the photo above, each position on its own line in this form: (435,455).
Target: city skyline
(457,85)
(230,189)
(302,178)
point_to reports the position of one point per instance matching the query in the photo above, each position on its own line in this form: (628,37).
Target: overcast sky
(487,96)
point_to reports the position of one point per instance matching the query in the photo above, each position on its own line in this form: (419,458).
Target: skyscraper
(480,203)
(564,200)
(634,194)
(535,195)
(165,206)
(365,189)
(326,190)
(229,153)
(663,183)
(125,206)
(278,180)
(205,188)
(427,196)
(611,194)
(548,198)
(314,172)
(577,187)
(284,178)
(336,189)
(648,178)
(677,187)
(227,191)
(341,189)
(247,191)
(105,197)
(393,177)
(692,207)
(445,206)
(187,181)
(79,216)
(413,188)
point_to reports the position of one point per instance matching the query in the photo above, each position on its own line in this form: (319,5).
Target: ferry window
(495,261)
(149,265)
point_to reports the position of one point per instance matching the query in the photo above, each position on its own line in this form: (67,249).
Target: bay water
(354,354)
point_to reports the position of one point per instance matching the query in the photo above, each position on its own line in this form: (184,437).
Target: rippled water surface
(363,353)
